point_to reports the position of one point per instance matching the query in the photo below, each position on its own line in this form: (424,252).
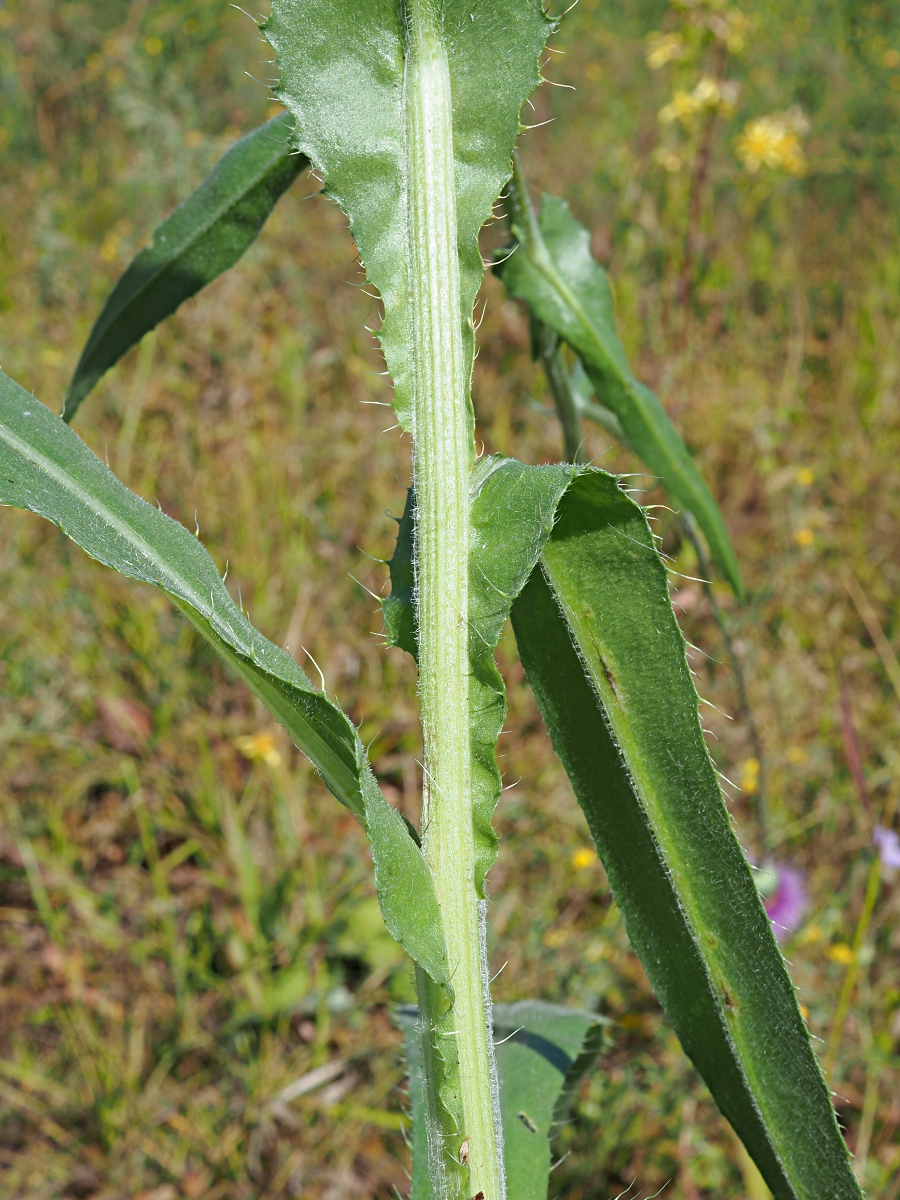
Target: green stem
(444,452)
(546,343)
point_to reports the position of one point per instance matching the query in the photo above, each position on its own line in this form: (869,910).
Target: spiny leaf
(342,76)
(542,1052)
(512,512)
(606,661)
(47,469)
(192,247)
(554,272)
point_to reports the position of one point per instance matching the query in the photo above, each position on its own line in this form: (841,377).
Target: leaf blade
(342,75)
(588,626)
(554,272)
(46,469)
(204,237)
(542,1051)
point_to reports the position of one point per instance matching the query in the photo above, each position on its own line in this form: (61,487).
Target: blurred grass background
(196,989)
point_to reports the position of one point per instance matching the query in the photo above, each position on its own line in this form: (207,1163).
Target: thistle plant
(408,110)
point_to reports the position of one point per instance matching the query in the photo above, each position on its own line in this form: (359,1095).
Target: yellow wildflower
(804,476)
(259,747)
(663,48)
(731,28)
(804,537)
(582,858)
(153,46)
(679,108)
(750,776)
(773,141)
(707,93)
(840,953)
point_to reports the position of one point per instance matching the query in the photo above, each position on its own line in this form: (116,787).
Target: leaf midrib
(101,510)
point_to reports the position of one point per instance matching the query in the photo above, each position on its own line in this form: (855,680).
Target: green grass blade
(47,469)
(342,66)
(605,658)
(554,272)
(191,248)
(542,1052)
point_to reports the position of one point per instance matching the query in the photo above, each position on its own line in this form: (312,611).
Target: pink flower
(887,843)
(783,890)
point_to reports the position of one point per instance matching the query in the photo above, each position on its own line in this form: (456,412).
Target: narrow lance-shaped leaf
(191,248)
(606,660)
(553,271)
(47,469)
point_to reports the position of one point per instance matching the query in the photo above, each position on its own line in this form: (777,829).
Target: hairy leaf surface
(606,660)
(191,248)
(342,68)
(554,272)
(512,512)
(47,469)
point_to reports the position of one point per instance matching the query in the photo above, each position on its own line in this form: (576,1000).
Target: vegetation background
(195,988)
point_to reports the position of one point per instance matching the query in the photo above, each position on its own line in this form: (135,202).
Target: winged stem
(444,452)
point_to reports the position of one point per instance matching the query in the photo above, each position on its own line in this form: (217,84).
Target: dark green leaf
(554,272)
(192,247)
(542,1051)
(606,660)
(47,469)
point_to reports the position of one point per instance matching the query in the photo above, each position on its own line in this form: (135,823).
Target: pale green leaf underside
(47,469)
(605,657)
(342,76)
(200,240)
(542,1050)
(554,272)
